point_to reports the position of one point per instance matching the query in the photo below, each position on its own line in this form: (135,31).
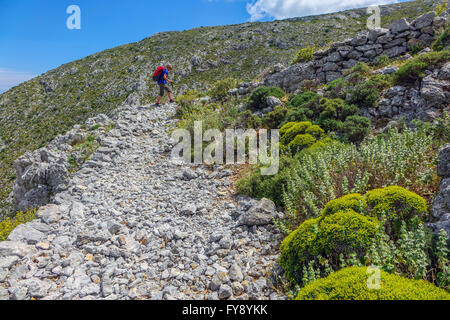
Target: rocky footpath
(133,224)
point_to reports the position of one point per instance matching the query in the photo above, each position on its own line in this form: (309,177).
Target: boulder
(272,102)
(423,21)
(290,78)
(399,26)
(26,233)
(262,213)
(49,213)
(15,248)
(433,90)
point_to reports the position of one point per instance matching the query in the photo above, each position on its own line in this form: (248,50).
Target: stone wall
(329,64)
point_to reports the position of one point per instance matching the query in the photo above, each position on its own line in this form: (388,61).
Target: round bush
(354,201)
(274,118)
(301,141)
(316,131)
(300,100)
(286,127)
(293,131)
(396,203)
(344,232)
(352,284)
(297,249)
(356,128)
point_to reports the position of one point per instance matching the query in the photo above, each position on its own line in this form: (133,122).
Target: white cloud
(282,9)
(10,78)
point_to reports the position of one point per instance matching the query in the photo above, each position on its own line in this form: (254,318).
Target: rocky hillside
(33,113)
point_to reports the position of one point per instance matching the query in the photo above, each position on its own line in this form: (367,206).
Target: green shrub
(297,249)
(382,61)
(355,128)
(354,201)
(344,232)
(352,284)
(415,68)
(306,54)
(220,88)
(366,94)
(301,141)
(316,131)
(336,109)
(441,7)
(397,204)
(276,117)
(289,131)
(442,41)
(249,120)
(302,99)
(361,68)
(9,224)
(335,89)
(257,99)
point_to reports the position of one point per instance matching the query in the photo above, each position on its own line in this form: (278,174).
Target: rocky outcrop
(440,210)
(425,100)
(329,64)
(45,172)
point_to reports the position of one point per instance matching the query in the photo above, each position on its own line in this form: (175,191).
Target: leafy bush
(297,249)
(382,61)
(355,128)
(306,54)
(361,68)
(442,40)
(276,117)
(335,89)
(441,7)
(396,204)
(300,100)
(301,141)
(316,131)
(405,159)
(257,99)
(220,88)
(255,185)
(352,284)
(354,201)
(344,232)
(9,224)
(290,130)
(366,94)
(415,68)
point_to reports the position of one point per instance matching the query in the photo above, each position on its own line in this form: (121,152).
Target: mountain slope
(33,113)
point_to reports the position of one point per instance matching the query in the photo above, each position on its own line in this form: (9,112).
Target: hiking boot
(171,101)
(157,104)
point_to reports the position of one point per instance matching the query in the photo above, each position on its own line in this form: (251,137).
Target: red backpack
(158,73)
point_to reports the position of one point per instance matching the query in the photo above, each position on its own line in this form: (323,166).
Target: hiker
(162,75)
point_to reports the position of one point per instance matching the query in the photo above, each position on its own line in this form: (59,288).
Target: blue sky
(34,37)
